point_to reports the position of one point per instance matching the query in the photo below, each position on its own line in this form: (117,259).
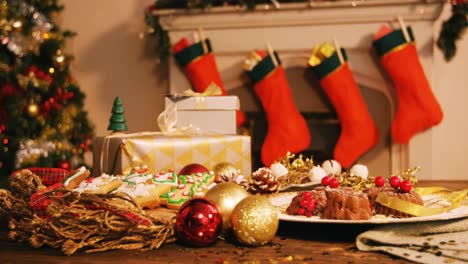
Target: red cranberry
(406,186)
(326,180)
(301,211)
(395,181)
(306,195)
(379,181)
(334,183)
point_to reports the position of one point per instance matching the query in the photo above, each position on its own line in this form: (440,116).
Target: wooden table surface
(294,243)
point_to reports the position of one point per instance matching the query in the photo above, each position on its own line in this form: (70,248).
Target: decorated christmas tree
(42,120)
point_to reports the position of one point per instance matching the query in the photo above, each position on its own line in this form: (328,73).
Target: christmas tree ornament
(417,108)
(198,222)
(254,220)
(264,182)
(331,167)
(287,128)
(33,109)
(193,168)
(359,170)
(197,59)
(64,164)
(358,130)
(226,196)
(117,119)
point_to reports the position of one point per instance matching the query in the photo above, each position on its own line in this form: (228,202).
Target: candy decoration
(193,168)
(332,167)
(379,181)
(198,222)
(254,220)
(279,170)
(395,181)
(406,186)
(307,205)
(326,180)
(316,174)
(359,170)
(334,183)
(226,196)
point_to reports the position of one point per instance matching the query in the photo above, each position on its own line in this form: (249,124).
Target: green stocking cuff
(329,65)
(190,53)
(263,68)
(392,40)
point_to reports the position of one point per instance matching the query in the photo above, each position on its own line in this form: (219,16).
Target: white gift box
(207,113)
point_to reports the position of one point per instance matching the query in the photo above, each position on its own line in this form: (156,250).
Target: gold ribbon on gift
(211,90)
(455,198)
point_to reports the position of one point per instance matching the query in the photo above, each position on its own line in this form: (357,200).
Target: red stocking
(358,130)
(417,108)
(201,69)
(287,129)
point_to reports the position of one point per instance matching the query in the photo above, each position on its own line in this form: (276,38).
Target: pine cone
(263,181)
(235,177)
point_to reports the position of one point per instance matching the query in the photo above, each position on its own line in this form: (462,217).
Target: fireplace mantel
(298,14)
(293,29)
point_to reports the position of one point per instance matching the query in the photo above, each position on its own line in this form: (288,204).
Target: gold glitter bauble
(254,221)
(33,109)
(225,171)
(226,196)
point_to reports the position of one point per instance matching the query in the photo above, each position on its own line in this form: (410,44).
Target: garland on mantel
(451,31)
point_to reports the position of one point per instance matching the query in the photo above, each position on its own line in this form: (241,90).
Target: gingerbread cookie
(195,185)
(75,178)
(146,188)
(99,185)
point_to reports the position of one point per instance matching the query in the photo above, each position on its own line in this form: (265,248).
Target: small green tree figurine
(117,119)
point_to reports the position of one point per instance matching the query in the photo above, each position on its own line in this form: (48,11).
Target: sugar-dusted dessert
(346,204)
(320,200)
(411,196)
(341,204)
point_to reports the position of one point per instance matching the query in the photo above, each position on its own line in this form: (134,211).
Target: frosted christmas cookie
(195,185)
(146,188)
(99,185)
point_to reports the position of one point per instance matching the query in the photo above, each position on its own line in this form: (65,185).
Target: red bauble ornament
(198,222)
(193,168)
(406,186)
(395,181)
(334,183)
(64,164)
(379,181)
